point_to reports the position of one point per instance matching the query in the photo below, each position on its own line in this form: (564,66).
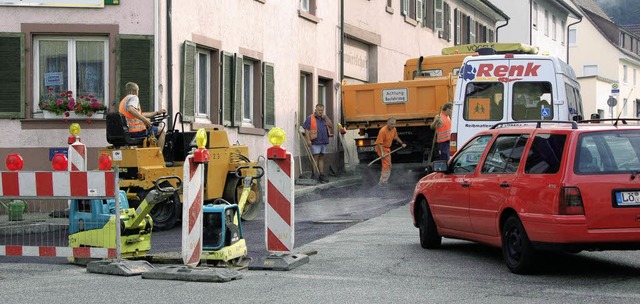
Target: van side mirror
(595,116)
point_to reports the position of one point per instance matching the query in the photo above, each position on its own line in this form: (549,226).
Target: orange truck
(428,83)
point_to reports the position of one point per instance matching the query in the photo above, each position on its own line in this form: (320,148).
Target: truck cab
(512,87)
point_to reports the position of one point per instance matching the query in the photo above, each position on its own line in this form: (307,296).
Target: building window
(535,15)
(77,64)
(308,6)
(546,23)
(562,33)
(247,91)
(554,30)
(624,73)
(203,91)
(306,97)
(573,37)
(590,70)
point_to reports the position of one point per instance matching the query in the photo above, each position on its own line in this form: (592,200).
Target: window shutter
(237,92)
(439,26)
(269,96)
(419,11)
(227,87)
(404,7)
(135,64)
(12,76)
(188,102)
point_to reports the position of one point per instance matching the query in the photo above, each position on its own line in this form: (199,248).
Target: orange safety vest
(313,129)
(444,132)
(134,124)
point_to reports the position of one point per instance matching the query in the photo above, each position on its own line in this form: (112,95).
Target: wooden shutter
(237,92)
(227,88)
(135,64)
(188,101)
(269,96)
(12,76)
(439,20)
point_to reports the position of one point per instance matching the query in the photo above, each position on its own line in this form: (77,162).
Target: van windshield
(483,101)
(532,100)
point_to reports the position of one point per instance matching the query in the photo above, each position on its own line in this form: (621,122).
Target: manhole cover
(344,221)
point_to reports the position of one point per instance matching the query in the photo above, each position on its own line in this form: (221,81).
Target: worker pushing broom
(385,138)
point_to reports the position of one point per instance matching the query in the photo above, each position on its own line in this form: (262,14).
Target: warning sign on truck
(400,95)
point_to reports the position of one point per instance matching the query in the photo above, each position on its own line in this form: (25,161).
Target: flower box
(72,115)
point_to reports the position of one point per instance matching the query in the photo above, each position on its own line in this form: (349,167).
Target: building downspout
(568,26)
(169,66)
(497,28)
(341,58)
(156,57)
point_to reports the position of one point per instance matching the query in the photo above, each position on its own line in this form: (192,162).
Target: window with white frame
(546,23)
(247,91)
(308,6)
(535,15)
(573,37)
(76,64)
(306,95)
(624,73)
(590,70)
(554,30)
(203,92)
(562,33)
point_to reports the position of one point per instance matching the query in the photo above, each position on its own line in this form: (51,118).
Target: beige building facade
(606,60)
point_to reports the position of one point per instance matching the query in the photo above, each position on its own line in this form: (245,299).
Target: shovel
(384,155)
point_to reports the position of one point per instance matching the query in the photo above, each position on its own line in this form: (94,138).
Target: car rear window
(545,154)
(608,152)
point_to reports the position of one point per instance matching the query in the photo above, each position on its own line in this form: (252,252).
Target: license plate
(366,149)
(628,198)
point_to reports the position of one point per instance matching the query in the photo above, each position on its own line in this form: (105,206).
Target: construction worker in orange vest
(138,121)
(442,125)
(386,136)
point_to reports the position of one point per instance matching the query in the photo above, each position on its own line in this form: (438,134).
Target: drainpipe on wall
(341,57)
(156,57)
(497,28)
(169,66)
(568,26)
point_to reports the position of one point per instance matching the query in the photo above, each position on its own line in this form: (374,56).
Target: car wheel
(429,237)
(517,250)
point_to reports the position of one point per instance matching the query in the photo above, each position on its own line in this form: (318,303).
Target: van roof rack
(574,125)
(615,120)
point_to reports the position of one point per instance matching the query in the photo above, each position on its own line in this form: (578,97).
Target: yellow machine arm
(156,195)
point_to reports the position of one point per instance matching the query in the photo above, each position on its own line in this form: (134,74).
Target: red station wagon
(529,186)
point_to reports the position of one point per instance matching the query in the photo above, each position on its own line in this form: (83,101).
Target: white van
(508,87)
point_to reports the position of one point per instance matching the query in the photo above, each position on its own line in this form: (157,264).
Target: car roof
(568,126)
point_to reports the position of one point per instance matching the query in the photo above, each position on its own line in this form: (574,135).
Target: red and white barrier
(279,207)
(77,156)
(52,251)
(57,184)
(192,191)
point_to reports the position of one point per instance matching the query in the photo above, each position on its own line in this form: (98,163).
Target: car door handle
(505,185)
(465,184)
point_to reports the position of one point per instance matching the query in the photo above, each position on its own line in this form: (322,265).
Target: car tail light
(453,143)
(360,142)
(570,202)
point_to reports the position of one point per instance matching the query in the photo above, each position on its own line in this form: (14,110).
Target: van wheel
(429,237)
(517,250)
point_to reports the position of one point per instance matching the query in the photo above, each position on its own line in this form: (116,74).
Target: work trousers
(386,166)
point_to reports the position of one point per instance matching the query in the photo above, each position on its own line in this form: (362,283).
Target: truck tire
(165,214)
